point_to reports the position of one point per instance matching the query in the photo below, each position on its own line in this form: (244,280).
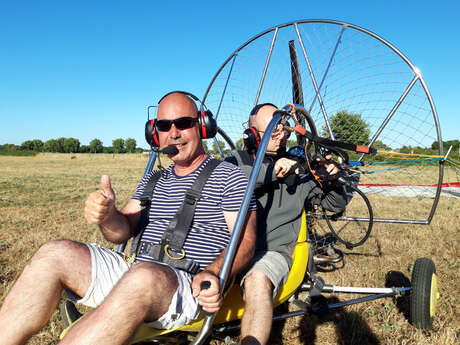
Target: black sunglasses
(180,123)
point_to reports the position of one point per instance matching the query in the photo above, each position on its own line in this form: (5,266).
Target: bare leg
(144,293)
(35,295)
(258,311)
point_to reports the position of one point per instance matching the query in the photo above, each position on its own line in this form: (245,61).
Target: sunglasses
(180,123)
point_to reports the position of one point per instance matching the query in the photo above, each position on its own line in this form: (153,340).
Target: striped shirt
(209,235)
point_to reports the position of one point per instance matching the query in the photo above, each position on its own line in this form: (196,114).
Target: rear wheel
(424,294)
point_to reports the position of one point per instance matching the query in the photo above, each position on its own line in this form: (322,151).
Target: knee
(149,278)
(257,282)
(53,252)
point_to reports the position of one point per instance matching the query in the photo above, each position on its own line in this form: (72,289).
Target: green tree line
(71,145)
(346,126)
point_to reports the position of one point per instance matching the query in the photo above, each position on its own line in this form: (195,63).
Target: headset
(206,123)
(251,136)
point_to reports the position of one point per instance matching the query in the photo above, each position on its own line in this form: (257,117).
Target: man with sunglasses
(282,188)
(126,292)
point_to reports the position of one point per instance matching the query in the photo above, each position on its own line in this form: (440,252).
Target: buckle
(145,201)
(191,196)
(144,248)
(179,257)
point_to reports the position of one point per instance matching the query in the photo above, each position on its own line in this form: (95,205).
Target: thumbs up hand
(100,204)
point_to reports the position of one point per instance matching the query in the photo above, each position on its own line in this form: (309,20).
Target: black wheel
(424,294)
(350,230)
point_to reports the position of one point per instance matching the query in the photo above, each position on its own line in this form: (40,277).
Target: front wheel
(424,294)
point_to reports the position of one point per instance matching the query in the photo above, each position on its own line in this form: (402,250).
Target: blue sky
(89,69)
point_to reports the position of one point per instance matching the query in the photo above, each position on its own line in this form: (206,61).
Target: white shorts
(273,265)
(108,266)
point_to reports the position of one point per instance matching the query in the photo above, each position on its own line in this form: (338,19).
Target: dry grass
(42,197)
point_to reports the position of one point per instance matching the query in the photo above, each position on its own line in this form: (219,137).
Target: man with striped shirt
(124,293)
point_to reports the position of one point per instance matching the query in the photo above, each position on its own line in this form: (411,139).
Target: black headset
(206,122)
(251,136)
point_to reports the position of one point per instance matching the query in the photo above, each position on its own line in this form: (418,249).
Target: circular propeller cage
(340,67)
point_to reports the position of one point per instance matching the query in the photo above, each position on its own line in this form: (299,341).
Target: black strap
(180,224)
(146,200)
(335,144)
(178,228)
(147,248)
(246,157)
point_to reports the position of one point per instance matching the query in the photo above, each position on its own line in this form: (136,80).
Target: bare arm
(246,246)
(116,226)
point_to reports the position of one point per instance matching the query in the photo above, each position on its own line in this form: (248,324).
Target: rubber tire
(423,299)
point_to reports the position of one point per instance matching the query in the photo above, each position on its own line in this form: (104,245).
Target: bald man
(281,191)
(142,289)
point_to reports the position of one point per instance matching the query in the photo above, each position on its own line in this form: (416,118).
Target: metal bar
(226,84)
(438,190)
(148,110)
(392,112)
(441,149)
(226,138)
(152,158)
(448,152)
(267,62)
(275,318)
(221,152)
(357,289)
(358,300)
(329,306)
(150,163)
(234,239)
(315,85)
(296,79)
(378,220)
(328,66)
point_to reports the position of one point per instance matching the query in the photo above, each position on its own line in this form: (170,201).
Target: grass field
(42,198)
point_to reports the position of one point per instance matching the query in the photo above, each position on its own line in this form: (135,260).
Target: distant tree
(446,144)
(118,145)
(60,145)
(108,149)
(378,144)
(51,145)
(84,149)
(71,145)
(130,145)
(215,151)
(9,147)
(95,146)
(348,127)
(37,145)
(205,146)
(27,145)
(239,144)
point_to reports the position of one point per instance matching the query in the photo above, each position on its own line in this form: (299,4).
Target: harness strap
(179,225)
(145,199)
(178,228)
(153,250)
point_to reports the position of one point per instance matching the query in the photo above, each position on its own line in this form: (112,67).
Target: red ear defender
(151,133)
(207,123)
(251,139)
